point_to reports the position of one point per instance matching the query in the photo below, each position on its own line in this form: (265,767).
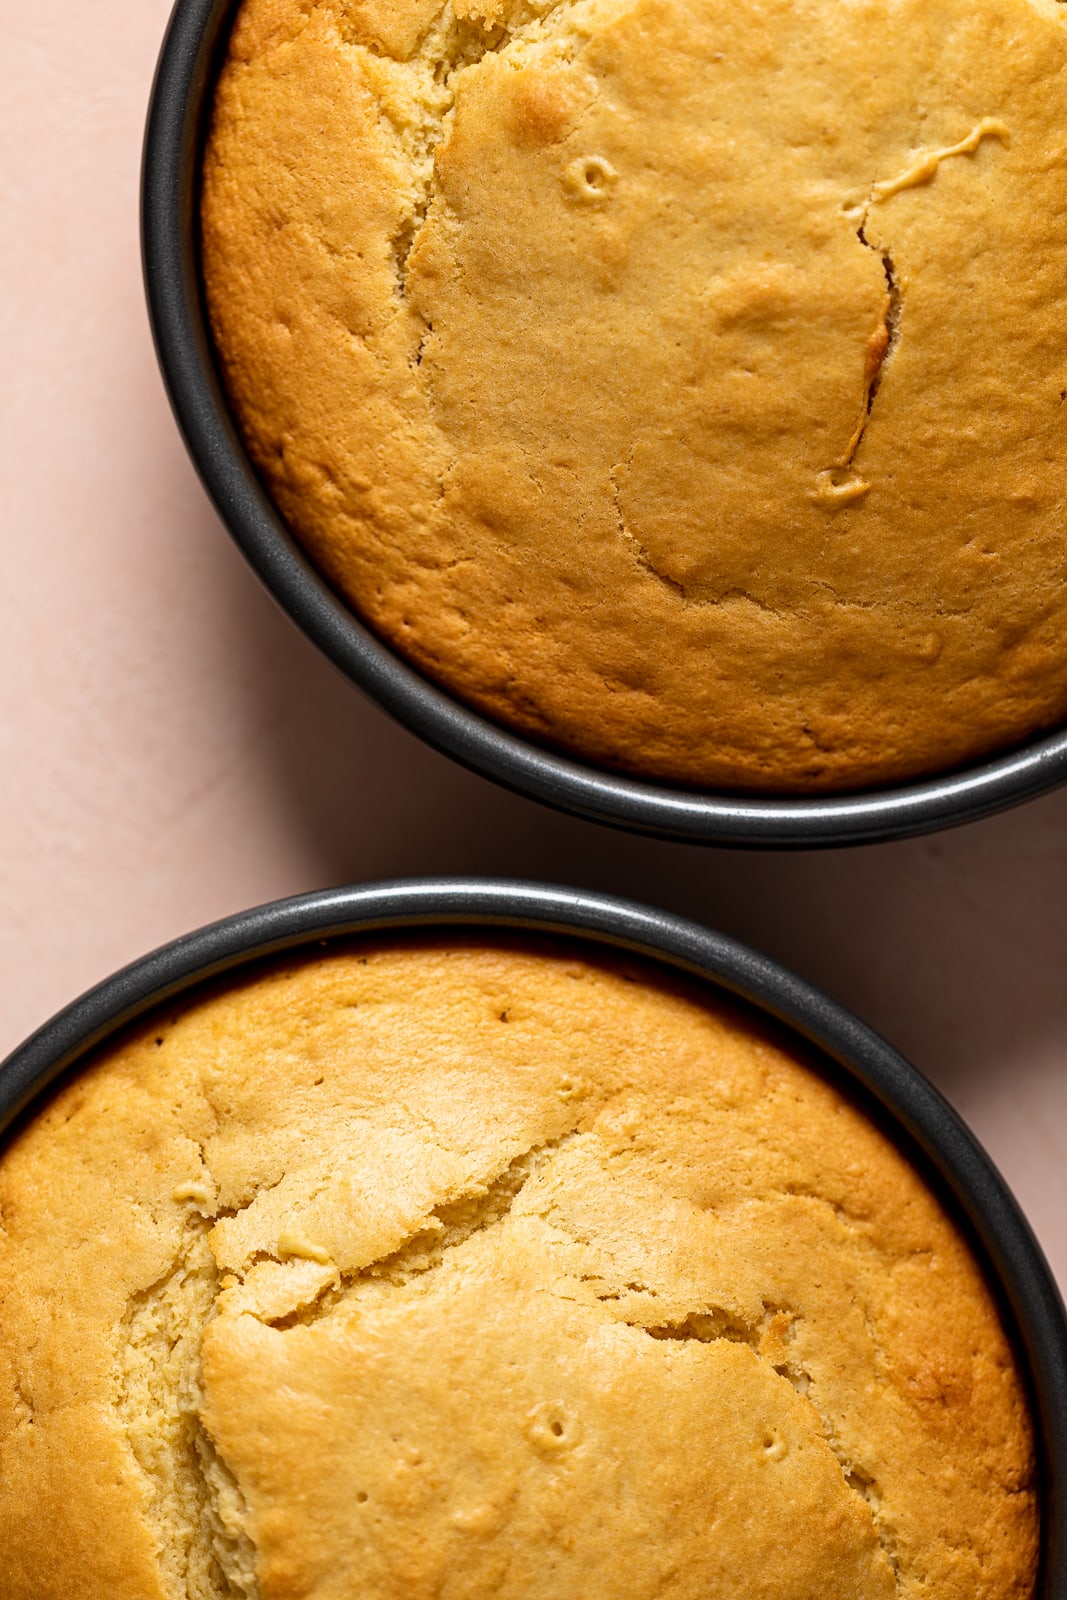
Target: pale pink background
(173,750)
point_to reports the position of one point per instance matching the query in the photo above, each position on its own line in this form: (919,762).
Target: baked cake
(466,1272)
(680,384)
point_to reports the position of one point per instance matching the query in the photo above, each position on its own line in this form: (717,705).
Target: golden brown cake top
(489,1273)
(680,383)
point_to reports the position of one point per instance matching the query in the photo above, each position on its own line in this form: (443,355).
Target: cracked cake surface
(489,1272)
(682,383)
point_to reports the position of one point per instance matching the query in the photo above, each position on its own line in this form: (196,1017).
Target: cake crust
(680,384)
(452,1272)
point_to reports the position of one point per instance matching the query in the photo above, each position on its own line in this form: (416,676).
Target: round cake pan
(170,232)
(922,1124)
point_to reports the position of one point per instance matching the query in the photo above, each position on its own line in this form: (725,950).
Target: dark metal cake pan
(170,233)
(923,1125)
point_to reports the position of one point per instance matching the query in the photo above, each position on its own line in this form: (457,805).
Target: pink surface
(174,750)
